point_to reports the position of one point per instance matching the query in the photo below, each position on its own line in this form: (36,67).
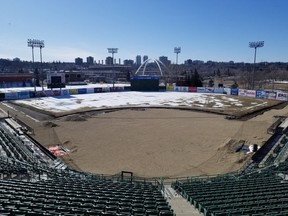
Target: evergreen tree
(37,77)
(234,85)
(128,76)
(211,82)
(196,79)
(218,72)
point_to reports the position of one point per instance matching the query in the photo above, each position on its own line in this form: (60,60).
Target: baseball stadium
(104,150)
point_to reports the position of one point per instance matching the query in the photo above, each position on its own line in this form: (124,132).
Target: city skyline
(216,30)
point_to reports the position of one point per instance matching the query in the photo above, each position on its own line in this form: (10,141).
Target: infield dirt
(156,142)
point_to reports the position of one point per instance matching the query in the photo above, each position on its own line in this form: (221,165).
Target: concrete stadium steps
(180,205)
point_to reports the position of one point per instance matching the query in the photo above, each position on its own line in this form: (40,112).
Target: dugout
(144,83)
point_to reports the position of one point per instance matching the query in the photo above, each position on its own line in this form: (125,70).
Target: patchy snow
(132,98)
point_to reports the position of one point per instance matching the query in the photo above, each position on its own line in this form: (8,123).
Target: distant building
(90,60)
(164,60)
(12,80)
(108,73)
(188,62)
(198,62)
(145,57)
(75,78)
(138,60)
(128,62)
(109,60)
(78,61)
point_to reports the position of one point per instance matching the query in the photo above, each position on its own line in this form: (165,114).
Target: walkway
(180,205)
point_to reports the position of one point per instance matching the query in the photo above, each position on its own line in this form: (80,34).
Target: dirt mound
(75,118)
(228,157)
(232,146)
(49,124)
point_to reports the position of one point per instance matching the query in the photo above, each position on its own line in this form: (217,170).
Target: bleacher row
(31,188)
(256,191)
(14,149)
(278,152)
(251,196)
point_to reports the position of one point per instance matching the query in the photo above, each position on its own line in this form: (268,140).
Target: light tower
(255,45)
(177,50)
(113,50)
(36,43)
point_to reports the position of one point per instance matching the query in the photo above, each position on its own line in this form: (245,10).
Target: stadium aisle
(180,205)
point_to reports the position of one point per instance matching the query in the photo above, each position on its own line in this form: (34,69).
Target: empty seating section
(278,152)
(13,148)
(73,195)
(260,192)
(30,187)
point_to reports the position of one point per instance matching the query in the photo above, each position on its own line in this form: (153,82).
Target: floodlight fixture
(177,50)
(35,43)
(255,45)
(113,50)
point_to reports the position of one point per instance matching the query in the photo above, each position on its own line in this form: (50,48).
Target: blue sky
(217,30)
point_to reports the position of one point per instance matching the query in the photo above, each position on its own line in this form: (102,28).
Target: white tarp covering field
(124,99)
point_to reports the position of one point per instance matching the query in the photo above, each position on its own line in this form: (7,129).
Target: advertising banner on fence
(82,91)
(228,91)
(234,91)
(56,92)
(121,88)
(192,89)
(181,88)
(90,90)
(282,96)
(201,89)
(73,91)
(169,88)
(97,90)
(11,96)
(242,92)
(23,95)
(40,94)
(270,94)
(209,90)
(105,89)
(48,93)
(65,92)
(219,90)
(251,93)
(117,88)
(32,94)
(184,89)
(176,88)
(260,94)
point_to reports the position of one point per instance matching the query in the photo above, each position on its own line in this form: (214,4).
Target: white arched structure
(146,62)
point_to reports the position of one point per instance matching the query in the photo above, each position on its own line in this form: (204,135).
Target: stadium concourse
(36,182)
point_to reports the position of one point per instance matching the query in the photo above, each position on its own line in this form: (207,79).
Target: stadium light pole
(177,50)
(35,43)
(42,78)
(255,45)
(31,44)
(112,51)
